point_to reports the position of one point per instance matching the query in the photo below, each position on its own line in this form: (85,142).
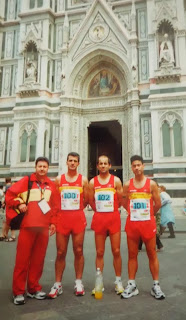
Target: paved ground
(68,307)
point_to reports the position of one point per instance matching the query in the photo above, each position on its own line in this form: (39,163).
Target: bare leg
(132,257)
(100,250)
(153,259)
(62,244)
(115,240)
(77,240)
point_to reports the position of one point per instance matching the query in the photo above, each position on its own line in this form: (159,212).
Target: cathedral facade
(94,76)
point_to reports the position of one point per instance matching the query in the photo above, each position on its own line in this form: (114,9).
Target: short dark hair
(103,155)
(8,180)
(74,154)
(136,157)
(45,159)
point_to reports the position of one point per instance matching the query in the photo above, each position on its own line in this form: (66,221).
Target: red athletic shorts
(141,229)
(71,222)
(102,223)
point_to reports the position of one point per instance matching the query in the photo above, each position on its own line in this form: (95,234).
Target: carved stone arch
(34,34)
(92,63)
(98,69)
(170,117)
(28,127)
(166,26)
(166,12)
(30,42)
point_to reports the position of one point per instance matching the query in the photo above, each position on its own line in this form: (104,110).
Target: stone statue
(166,51)
(31,71)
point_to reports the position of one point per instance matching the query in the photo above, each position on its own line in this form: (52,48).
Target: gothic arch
(86,68)
(28,127)
(170,117)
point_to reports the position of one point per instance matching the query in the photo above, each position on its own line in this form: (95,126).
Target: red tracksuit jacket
(34,217)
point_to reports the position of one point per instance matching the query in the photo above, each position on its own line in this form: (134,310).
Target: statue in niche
(31,70)
(166,51)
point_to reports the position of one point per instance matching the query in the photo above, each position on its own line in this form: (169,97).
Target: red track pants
(31,251)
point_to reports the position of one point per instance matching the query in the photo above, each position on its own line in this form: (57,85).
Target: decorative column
(2,10)
(15,145)
(134,111)
(40,138)
(65,136)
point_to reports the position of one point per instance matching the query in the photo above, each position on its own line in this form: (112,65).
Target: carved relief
(58,75)
(28,127)
(59,37)
(9,44)
(171,117)
(74,26)
(142,24)
(55,143)
(125,18)
(11,9)
(146,138)
(143,64)
(6,81)
(99,30)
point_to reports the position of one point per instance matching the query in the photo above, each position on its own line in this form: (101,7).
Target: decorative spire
(133,16)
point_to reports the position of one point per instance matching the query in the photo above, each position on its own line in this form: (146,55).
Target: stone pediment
(32,35)
(165,11)
(100,26)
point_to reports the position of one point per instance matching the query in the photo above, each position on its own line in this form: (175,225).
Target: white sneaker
(19,299)
(129,291)
(79,289)
(156,292)
(55,291)
(119,287)
(39,295)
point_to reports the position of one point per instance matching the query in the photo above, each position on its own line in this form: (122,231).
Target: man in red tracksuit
(40,213)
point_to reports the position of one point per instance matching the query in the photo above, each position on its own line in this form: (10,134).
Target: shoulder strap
(30,183)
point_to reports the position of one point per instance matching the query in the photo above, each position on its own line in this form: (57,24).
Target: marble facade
(67,64)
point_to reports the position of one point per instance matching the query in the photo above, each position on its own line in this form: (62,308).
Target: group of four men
(61,205)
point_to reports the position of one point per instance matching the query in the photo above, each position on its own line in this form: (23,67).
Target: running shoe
(129,291)
(55,291)
(79,289)
(157,293)
(39,295)
(119,287)
(19,299)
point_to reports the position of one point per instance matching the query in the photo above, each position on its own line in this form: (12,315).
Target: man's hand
(22,207)
(52,229)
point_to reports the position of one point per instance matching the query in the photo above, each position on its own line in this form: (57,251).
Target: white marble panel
(3,132)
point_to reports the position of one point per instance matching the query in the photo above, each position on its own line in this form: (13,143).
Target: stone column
(15,145)
(65,137)
(2,10)
(40,138)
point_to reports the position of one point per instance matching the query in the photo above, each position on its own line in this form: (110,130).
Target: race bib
(104,201)
(139,209)
(70,199)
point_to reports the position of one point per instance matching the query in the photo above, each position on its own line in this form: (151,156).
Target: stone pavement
(111,307)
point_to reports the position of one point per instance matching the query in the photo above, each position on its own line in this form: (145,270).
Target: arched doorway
(105,138)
